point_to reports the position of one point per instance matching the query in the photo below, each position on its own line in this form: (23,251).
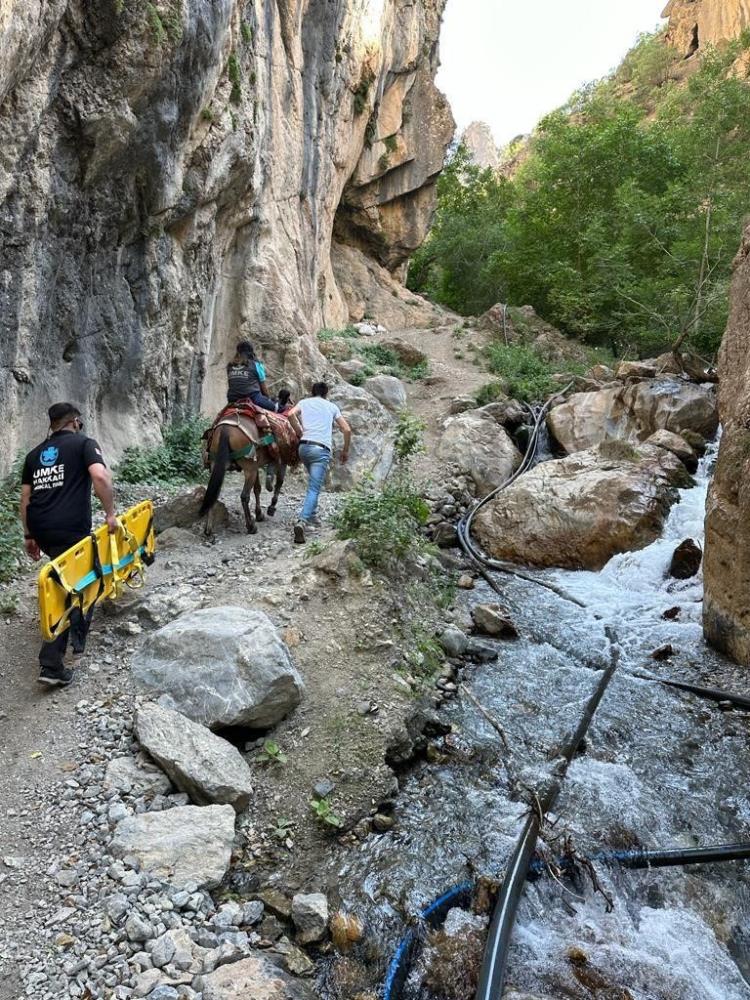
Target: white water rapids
(661,769)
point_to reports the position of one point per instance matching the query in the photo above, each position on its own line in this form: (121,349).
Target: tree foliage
(621,224)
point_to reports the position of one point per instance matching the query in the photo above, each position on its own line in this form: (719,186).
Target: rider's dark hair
(245,351)
(60,413)
(284,396)
(320,389)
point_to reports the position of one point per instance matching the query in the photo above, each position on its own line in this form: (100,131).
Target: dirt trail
(345,635)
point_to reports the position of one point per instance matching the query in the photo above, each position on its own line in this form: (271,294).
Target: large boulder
(579,512)
(388,390)
(372,426)
(224,666)
(190,844)
(474,444)
(254,978)
(633,413)
(200,763)
(183,510)
(726,568)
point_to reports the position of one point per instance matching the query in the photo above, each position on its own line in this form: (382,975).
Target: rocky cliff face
(726,608)
(177,174)
(693,24)
(480,142)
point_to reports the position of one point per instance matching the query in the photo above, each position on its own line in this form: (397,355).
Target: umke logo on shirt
(49,475)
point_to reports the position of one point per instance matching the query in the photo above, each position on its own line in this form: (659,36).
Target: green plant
(384,163)
(490,393)
(527,376)
(314,548)
(119,7)
(409,438)
(385,523)
(207,115)
(358,378)
(156,25)
(11,533)
(273,753)
(324,813)
(327,334)
(235,78)
(283,828)
(9,603)
(362,92)
(246,32)
(391,143)
(426,656)
(176,460)
(371,131)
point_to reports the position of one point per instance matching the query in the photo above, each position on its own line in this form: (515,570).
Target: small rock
(276,902)
(323,788)
(346,930)
(445,535)
(138,929)
(454,641)
(663,652)
(671,614)
(383,823)
(492,619)
(310,916)
(252,913)
(686,560)
(465,582)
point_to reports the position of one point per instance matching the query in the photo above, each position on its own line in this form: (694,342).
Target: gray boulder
(190,844)
(474,444)
(388,390)
(254,977)
(310,916)
(372,438)
(128,776)
(223,666)
(182,511)
(205,766)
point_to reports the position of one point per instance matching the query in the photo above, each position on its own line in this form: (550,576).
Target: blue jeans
(316,460)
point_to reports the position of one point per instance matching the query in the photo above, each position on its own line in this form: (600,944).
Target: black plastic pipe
(671,858)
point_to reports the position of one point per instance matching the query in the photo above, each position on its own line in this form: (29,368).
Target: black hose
(670,858)
(494,964)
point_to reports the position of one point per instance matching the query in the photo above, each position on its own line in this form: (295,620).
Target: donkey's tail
(218,471)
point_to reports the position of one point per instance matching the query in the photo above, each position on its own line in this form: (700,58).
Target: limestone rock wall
(726,608)
(176,174)
(693,24)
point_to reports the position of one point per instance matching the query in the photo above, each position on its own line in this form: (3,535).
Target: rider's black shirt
(243,382)
(57,471)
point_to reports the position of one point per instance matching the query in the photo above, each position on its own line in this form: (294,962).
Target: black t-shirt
(243,382)
(57,471)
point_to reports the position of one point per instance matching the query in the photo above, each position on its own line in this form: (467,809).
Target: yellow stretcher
(96,567)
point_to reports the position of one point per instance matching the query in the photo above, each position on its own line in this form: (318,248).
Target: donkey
(239,440)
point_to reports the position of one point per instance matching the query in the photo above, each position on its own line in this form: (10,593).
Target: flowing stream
(660,769)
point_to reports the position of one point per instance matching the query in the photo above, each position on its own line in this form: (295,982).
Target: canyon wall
(694,24)
(180,174)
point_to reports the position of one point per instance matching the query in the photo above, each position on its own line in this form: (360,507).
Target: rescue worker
(246,378)
(317,416)
(56,513)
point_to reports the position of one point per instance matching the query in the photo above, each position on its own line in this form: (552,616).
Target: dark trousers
(263,401)
(52,654)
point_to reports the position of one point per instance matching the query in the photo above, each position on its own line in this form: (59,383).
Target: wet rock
(579,512)
(665,652)
(695,441)
(382,823)
(389,391)
(465,582)
(200,763)
(678,446)
(480,651)
(671,614)
(346,931)
(686,560)
(126,775)
(255,977)
(475,445)
(445,535)
(224,666)
(454,641)
(310,916)
(182,511)
(276,902)
(493,619)
(294,959)
(633,412)
(509,413)
(183,846)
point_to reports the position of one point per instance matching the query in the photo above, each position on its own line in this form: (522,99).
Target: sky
(509,62)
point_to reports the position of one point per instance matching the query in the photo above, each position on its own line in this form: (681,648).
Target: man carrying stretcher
(56,513)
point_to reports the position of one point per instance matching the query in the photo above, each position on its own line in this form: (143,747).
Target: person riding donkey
(246,379)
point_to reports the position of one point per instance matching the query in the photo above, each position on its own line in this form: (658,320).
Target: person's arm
(293,418)
(346,430)
(260,370)
(101,480)
(30,544)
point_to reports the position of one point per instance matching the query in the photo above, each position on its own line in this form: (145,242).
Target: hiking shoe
(55,678)
(299,533)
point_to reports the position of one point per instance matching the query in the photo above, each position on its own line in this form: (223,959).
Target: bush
(382,360)
(11,535)
(490,393)
(386,522)
(176,460)
(527,376)
(327,334)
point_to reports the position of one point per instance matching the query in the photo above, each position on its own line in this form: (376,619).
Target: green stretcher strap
(267,439)
(247,452)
